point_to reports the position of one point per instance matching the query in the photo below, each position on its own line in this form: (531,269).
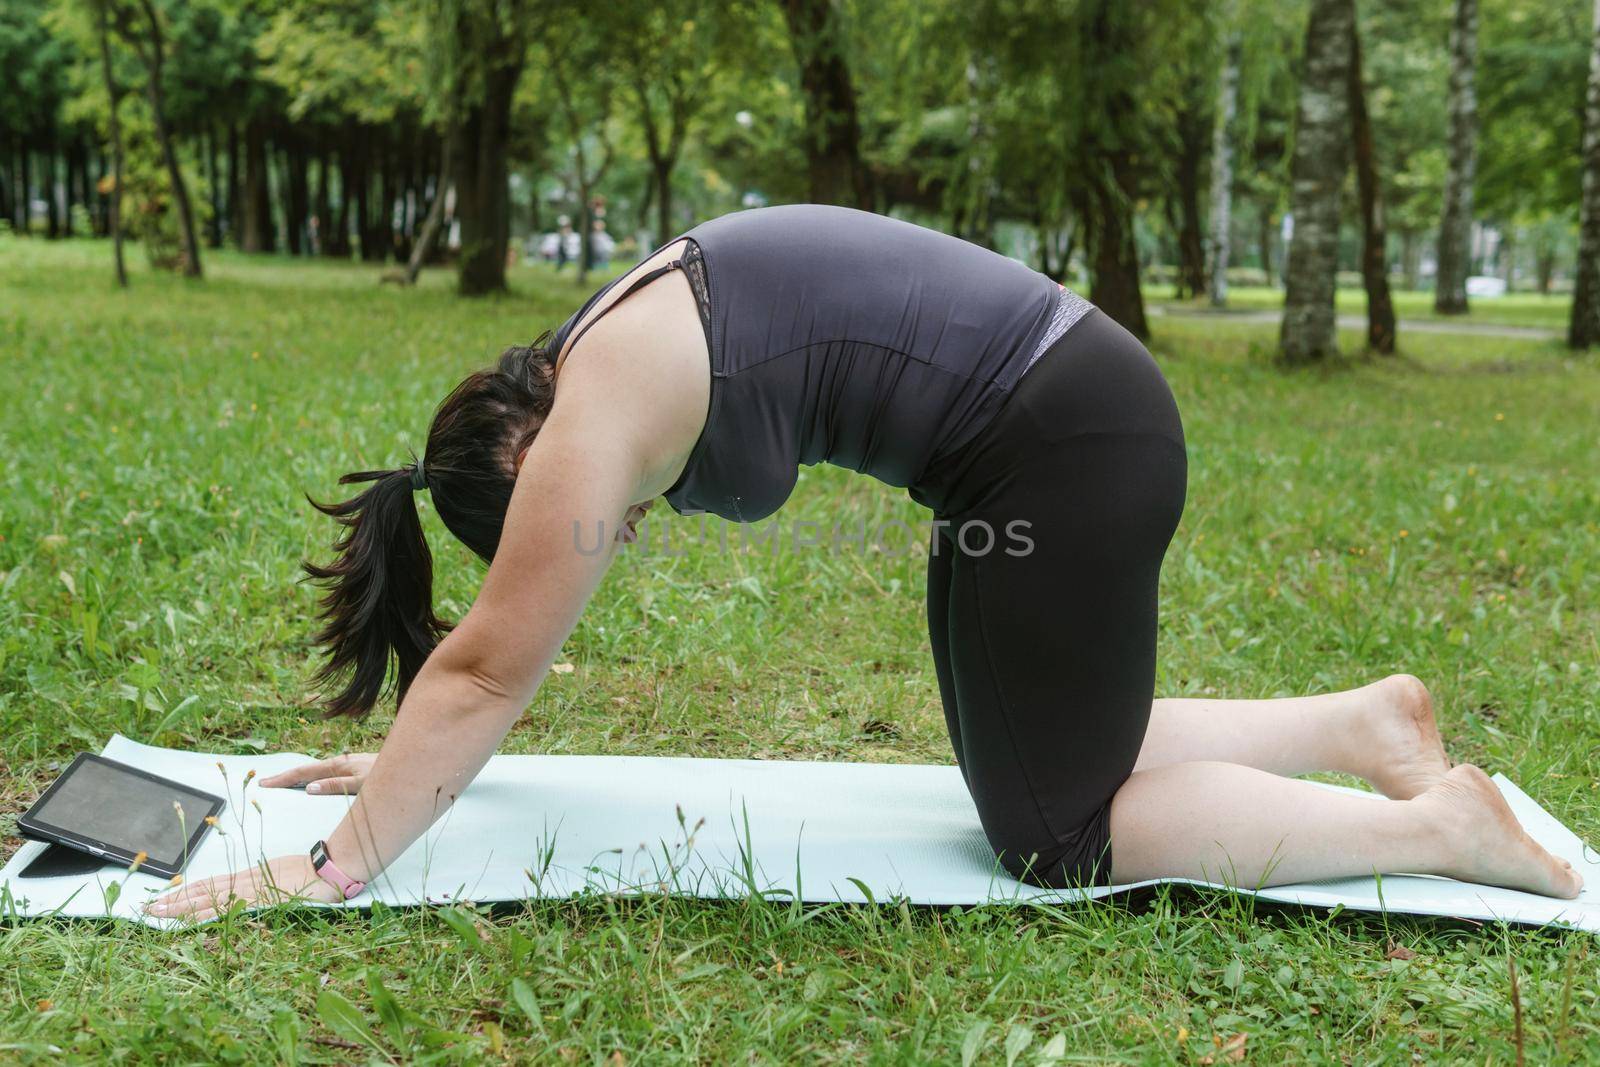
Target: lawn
(1547,312)
(1439,514)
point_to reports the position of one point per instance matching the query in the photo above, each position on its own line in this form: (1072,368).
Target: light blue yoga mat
(551,826)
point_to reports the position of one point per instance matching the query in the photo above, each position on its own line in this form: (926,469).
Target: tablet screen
(101,802)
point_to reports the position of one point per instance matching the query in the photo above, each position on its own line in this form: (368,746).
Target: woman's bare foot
(1400,743)
(1482,841)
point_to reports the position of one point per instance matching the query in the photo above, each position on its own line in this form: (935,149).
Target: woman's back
(843,336)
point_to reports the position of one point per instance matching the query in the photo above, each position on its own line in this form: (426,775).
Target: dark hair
(378,603)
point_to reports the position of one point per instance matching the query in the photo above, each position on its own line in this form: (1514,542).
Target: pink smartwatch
(330,873)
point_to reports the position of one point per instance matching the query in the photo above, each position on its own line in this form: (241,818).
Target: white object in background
(1486,285)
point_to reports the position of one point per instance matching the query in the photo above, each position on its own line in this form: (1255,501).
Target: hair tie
(419,478)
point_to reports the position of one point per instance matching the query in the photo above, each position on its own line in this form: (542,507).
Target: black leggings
(1046,652)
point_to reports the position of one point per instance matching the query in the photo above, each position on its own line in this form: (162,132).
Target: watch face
(319,855)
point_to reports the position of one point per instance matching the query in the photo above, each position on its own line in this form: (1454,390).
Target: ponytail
(378,602)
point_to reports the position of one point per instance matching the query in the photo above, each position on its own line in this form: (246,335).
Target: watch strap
(329,872)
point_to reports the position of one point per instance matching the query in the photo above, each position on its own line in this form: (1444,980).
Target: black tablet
(114,811)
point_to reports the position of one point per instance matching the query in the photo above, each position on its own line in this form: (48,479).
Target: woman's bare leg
(1383,732)
(1224,822)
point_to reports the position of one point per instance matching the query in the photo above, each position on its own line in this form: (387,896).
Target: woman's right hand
(340,776)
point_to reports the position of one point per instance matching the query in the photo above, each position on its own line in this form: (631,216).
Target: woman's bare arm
(599,452)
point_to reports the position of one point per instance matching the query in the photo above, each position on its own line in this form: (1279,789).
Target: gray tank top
(848,337)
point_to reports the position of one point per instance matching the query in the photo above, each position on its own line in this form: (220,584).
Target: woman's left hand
(277,881)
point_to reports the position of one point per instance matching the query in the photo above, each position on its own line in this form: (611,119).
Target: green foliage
(1533,65)
(349,58)
(34,70)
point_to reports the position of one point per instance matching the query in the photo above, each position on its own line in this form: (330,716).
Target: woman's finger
(308,772)
(186,898)
(346,786)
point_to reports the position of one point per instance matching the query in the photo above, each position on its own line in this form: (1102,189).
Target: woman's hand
(341,775)
(275,882)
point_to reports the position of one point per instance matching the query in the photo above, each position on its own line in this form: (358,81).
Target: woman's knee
(1080,858)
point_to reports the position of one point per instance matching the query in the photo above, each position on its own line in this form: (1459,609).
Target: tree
(832,128)
(483,46)
(33,88)
(669,50)
(1584,329)
(1194,131)
(583,88)
(114,128)
(1222,171)
(1111,139)
(1532,75)
(139,24)
(1374,261)
(1321,156)
(1455,226)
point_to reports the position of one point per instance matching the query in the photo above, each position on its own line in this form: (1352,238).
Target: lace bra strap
(637,284)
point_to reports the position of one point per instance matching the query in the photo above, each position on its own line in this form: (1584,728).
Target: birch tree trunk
(1222,173)
(1455,228)
(1374,239)
(1584,329)
(1321,156)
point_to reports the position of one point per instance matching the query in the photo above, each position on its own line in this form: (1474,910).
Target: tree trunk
(1321,155)
(1410,259)
(7,188)
(1264,228)
(1191,245)
(69,188)
(94,165)
(835,172)
(1112,187)
(24,194)
(297,202)
(214,180)
(483,197)
(339,237)
(47,181)
(323,209)
(235,212)
(1545,265)
(1374,241)
(435,220)
(663,172)
(256,209)
(1222,173)
(114,123)
(154,59)
(1113,257)
(357,178)
(1507,254)
(383,220)
(1584,329)
(1455,227)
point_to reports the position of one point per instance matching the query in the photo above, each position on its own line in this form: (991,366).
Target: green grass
(1514,309)
(1436,514)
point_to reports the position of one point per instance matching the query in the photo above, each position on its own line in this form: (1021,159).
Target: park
(246,248)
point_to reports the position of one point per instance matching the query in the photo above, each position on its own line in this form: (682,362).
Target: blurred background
(1142,151)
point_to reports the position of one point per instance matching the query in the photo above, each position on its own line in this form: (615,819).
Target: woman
(1046,443)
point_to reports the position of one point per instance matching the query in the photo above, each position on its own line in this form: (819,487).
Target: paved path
(1268,316)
